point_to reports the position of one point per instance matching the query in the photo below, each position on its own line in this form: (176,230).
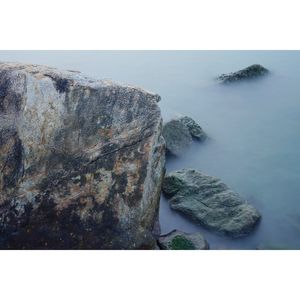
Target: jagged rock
(178,240)
(250,72)
(81,161)
(208,201)
(177,137)
(195,129)
(178,134)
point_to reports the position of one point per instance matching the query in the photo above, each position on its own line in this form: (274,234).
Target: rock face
(178,134)
(195,129)
(250,72)
(210,202)
(81,161)
(177,137)
(178,240)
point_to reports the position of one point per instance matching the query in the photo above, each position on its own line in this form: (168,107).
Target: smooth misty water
(253,127)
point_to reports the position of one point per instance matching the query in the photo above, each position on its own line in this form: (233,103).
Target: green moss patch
(181,243)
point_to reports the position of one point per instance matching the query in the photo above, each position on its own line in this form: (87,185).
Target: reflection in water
(253,126)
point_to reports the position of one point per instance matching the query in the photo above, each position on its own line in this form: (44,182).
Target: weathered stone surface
(178,240)
(210,202)
(177,137)
(81,161)
(250,72)
(194,128)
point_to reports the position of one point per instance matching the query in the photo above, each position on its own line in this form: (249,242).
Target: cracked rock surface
(81,161)
(210,202)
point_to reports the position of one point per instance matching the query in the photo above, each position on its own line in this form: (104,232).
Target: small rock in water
(194,128)
(178,134)
(210,202)
(177,137)
(178,240)
(250,72)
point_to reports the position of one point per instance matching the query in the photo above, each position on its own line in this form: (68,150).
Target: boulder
(178,240)
(250,72)
(209,202)
(177,137)
(81,161)
(178,134)
(194,128)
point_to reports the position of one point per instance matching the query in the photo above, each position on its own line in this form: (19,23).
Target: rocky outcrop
(178,240)
(210,202)
(178,134)
(81,161)
(250,72)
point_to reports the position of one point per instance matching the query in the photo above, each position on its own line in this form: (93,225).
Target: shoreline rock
(177,137)
(250,72)
(194,128)
(178,240)
(82,161)
(210,202)
(179,133)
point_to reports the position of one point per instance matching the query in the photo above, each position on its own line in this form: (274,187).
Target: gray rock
(178,240)
(194,128)
(250,72)
(210,202)
(81,161)
(177,137)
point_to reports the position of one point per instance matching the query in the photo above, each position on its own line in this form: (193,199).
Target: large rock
(81,161)
(250,72)
(210,202)
(178,240)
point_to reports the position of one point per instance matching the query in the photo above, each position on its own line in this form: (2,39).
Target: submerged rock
(208,201)
(194,128)
(177,137)
(178,134)
(81,161)
(250,72)
(178,240)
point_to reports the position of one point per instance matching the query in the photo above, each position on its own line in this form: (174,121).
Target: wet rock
(177,137)
(250,72)
(81,161)
(178,134)
(209,202)
(178,240)
(194,128)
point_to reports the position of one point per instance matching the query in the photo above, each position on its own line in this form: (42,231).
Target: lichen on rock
(210,202)
(81,161)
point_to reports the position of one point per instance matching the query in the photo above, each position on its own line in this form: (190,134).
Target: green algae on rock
(178,240)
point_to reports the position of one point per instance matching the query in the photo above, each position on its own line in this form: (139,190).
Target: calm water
(254,127)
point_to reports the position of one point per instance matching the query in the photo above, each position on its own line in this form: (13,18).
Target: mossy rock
(178,240)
